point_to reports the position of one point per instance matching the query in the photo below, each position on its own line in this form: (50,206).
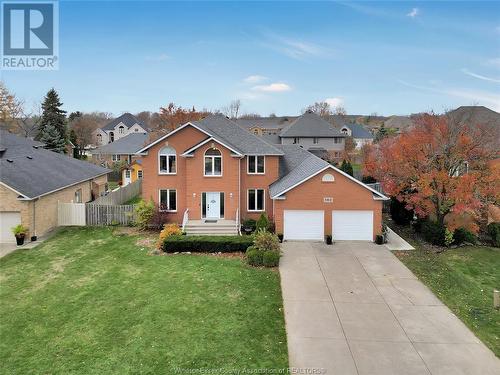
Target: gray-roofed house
(212,174)
(123,149)
(118,128)
(33,180)
(359,133)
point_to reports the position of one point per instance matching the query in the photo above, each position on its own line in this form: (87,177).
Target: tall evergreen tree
(53,115)
(347,167)
(50,136)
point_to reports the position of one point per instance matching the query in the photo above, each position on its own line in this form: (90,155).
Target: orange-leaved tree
(438,166)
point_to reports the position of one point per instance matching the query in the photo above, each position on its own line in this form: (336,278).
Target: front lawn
(464,279)
(92,302)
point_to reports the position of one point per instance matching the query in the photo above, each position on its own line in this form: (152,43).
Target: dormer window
(167,161)
(121,129)
(255,164)
(213,163)
(345,131)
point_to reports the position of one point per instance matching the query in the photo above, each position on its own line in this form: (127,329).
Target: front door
(213,205)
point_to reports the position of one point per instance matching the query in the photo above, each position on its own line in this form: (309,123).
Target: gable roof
(127,145)
(359,131)
(310,125)
(126,119)
(228,133)
(32,171)
(265,122)
(298,165)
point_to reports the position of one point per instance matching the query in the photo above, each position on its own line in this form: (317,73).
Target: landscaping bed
(91,301)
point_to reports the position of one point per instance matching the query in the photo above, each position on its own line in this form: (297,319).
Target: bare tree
(322,109)
(10,108)
(233,109)
(84,127)
(28,121)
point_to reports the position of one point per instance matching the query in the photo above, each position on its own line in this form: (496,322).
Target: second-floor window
(296,140)
(167,161)
(116,157)
(256,164)
(213,162)
(121,129)
(315,140)
(337,140)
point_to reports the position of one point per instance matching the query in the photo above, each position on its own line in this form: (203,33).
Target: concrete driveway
(354,308)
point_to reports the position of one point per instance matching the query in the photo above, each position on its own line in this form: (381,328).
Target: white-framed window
(167,161)
(256,200)
(139,173)
(78,196)
(296,140)
(213,163)
(99,138)
(345,131)
(116,157)
(337,140)
(315,140)
(168,200)
(256,164)
(127,173)
(136,130)
(121,129)
(111,137)
(328,178)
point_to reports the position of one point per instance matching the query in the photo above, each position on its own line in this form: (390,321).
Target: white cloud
(255,79)
(479,76)
(161,57)
(273,87)
(413,13)
(295,48)
(335,102)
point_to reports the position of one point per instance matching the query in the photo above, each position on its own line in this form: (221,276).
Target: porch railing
(185,219)
(238,228)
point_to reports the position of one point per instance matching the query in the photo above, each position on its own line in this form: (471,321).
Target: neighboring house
(265,125)
(118,128)
(212,174)
(132,172)
(33,180)
(122,150)
(359,133)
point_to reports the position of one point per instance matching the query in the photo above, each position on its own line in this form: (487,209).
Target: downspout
(33,236)
(238,219)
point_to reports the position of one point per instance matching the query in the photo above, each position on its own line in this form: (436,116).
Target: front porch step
(221,227)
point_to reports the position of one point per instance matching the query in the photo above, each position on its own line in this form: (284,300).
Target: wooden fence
(121,195)
(97,214)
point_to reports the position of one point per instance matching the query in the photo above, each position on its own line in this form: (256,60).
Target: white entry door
(303,225)
(7,221)
(213,205)
(352,225)
(127,177)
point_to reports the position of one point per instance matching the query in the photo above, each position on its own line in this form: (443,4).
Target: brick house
(33,180)
(212,174)
(118,128)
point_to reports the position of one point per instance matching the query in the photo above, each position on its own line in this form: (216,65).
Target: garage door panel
(354,225)
(7,221)
(303,225)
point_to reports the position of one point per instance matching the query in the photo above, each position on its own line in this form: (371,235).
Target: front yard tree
(53,115)
(52,139)
(11,108)
(346,167)
(438,166)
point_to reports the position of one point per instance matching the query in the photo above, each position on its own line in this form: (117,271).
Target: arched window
(328,178)
(167,161)
(111,137)
(213,162)
(121,129)
(345,131)
(99,139)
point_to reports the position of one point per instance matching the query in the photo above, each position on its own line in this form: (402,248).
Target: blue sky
(276,57)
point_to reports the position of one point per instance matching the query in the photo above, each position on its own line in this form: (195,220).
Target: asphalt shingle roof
(126,119)
(359,131)
(310,125)
(265,122)
(236,137)
(296,165)
(35,171)
(127,145)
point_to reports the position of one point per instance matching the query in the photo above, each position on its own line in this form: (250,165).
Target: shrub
(417,225)
(494,232)
(167,231)
(254,256)
(399,214)
(462,235)
(207,244)
(434,233)
(144,213)
(19,230)
(262,223)
(271,227)
(159,218)
(271,258)
(249,223)
(266,241)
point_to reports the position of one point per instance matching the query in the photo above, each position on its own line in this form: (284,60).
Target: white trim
(248,165)
(186,153)
(213,164)
(382,196)
(25,197)
(263,200)
(168,199)
(167,155)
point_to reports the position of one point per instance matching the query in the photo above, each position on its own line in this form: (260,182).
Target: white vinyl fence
(121,195)
(70,214)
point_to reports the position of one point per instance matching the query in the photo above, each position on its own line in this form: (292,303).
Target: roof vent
(35,147)
(10,160)
(30,157)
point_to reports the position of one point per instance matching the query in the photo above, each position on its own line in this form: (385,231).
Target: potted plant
(248,226)
(20,232)
(328,239)
(280,237)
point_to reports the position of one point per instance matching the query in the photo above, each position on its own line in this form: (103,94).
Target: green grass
(112,185)
(134,200)
(464,280)
(91,302)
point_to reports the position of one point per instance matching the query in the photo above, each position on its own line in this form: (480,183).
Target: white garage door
(303,225)
(7,221)
(352,225)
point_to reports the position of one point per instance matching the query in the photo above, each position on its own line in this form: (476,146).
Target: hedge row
(207,244)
